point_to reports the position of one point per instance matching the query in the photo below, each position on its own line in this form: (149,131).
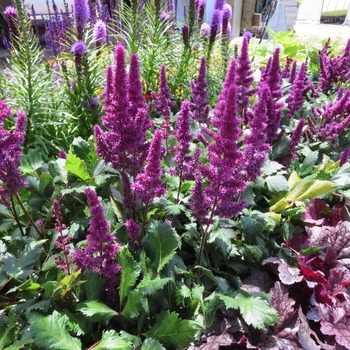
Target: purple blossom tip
(133,230)
(62,154)
(79,48)
(227,11)
(10,11)
(248,35)
(205,30)
(80,13)
(219,4)
(100,32)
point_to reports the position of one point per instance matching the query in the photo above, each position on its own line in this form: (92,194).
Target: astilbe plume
(257,147)
(332,119)
(133,230)
(62,241)
(163,102)
(293,72)
(219,4)
(285,73)
(294,141)
(100,253)
(244,79)
(345,156)
(225,173)
(200,95)
(148,183)
(126,117)
(81,16)
(11,153)
(333,70)
(272,76)
(297,92)
(185,163)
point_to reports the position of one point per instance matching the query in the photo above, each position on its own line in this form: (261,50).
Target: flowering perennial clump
(100,253)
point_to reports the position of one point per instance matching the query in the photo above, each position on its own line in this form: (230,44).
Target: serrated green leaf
(50,332)
(271,167)
(98,311)
(223,240)
(255,311)
(77,166)
(9,264)
(210,306)
(280,148)
(276,183)
(111,340)
(207,273)
(309,161)
(169,330)
(31,253)
(150,286)
(129,272)
(151,344)
(164,240)
(32,160)
(133,304)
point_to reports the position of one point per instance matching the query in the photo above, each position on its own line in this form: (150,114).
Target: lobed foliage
(161,189)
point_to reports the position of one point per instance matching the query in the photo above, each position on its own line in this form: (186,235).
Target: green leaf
(111,340)
(207,273)
(151,344)
(280,148)
(149,286)
(45,180)
(129,272)
(169,330)
(99,312)
(77,166)
(255,311)
(164,240)
(31,161)
(82,148)
(93,286)
(309,250)
(50,332)
(318,188)
(276,183)
(133,304)
(271,167)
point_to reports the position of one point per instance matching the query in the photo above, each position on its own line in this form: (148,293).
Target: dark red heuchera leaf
(258,281)
(311,275)
(287,274)
(317,215)
(313,213)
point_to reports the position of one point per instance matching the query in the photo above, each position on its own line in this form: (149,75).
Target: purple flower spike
(81,15)
(12,17)
(100,254)
(248,35)
(227,12)
(200,95)
(345,156)
(183,136)
(219,4)
(296,96)
(100,33)
(11,153)
(62,154)
(133,230)
(256,150)
(148,184)
(185,35)
(78,50)
(201,4)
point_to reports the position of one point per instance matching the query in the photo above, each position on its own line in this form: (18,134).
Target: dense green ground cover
(162,188)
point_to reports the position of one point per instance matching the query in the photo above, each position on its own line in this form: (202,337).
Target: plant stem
(16,216)
(41,234)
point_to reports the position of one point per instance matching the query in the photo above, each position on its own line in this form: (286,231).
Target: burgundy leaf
(284,305)
(304,334)
(257,282)
(338,238)
(341,332)
(313,212)
(310,274)
(287,274)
